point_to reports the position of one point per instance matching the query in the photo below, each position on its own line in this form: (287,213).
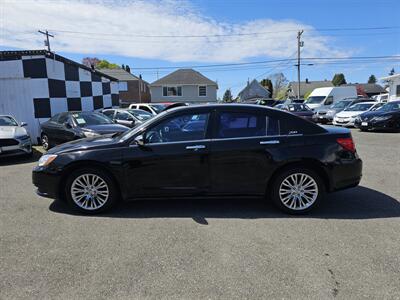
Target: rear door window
(237,124)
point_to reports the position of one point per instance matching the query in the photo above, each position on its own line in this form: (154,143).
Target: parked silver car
(14,139)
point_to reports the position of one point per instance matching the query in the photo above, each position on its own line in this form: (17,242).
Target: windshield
(315,99)
(159,107)
(341,104)
(359,107)
(85,119)
(128,134)
(390,106)
(297,107)
(140,114)
(7,121)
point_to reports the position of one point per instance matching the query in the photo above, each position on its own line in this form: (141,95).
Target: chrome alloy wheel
(45,142)
(89,191)
(298,191)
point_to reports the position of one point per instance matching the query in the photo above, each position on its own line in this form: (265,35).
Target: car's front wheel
(91,190)
(297,190)
(45,142)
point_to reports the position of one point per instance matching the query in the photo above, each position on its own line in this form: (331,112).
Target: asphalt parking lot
(346,248)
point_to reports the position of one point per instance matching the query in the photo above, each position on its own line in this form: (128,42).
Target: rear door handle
(271,142)
(195,147)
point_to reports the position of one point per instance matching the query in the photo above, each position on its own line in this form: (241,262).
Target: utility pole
(300,44)
(47,41)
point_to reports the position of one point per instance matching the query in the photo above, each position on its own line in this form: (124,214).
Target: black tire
(112,189)
(44,139)
(280,178)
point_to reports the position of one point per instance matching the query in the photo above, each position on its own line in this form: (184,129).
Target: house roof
(369,88)
(308,86)
(391,77)
(120,74)
(184,76)
(254,90)
(17,54)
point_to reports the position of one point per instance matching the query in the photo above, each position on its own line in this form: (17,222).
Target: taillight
(347,144)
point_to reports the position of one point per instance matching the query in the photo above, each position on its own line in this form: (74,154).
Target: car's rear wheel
(45,142)
(297,190)
(91,190)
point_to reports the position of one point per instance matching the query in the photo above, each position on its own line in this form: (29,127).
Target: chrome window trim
(222,139)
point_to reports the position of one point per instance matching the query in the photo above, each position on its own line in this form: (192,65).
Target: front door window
(188,127)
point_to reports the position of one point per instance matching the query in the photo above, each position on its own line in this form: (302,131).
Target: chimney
(307,80)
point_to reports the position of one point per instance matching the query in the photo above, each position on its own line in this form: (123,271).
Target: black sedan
(127,117)
(386,117)
(204,151)
(69,126)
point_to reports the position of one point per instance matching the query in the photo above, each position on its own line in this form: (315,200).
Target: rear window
(290,125)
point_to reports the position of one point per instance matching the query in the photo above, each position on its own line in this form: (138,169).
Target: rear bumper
(346,174)
(47,183)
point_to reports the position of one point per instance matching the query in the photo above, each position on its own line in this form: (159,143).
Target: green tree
(268,84)
(282,94)
(227,96)
(372,79)
(104,64)
(306,95)
(338,79)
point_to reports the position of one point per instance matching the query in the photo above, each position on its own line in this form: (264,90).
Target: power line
(271,61)
(227,34)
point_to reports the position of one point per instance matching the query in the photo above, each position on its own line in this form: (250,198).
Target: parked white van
(324,97)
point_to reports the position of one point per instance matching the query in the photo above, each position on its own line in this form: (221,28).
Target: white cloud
(114,24)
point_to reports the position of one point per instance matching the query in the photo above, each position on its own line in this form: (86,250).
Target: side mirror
(23,124)
(133,123)
(139,140)
(67,125)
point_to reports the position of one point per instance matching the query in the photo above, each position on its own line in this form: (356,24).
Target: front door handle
(271,142)
(195,147)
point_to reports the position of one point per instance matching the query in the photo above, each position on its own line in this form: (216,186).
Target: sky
(163,35)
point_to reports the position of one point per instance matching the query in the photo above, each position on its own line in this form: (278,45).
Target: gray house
(184,85)
(306,87)
(254,90)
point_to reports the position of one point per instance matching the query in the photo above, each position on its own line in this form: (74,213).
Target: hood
(85,144)
(376,113)
(348,114)
(10,132)
(107,128)
(303,113)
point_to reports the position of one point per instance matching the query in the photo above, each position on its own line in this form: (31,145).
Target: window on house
(169,91)
(398,91)
(202,91)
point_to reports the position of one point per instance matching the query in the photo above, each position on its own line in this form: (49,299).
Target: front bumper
(377,125)
(47,182)
(24,147)
(324,119)
(348,122)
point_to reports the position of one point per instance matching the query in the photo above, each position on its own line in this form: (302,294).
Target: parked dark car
(69,126)
(204,151)
(325,116)
(299,109)
(386,117)
(127,117)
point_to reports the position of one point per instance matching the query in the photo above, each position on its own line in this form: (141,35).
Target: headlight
(383,118)
(46,159)
(90,134)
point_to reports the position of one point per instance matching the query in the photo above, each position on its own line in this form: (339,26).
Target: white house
(184,85)
(37,84)
(394,86)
